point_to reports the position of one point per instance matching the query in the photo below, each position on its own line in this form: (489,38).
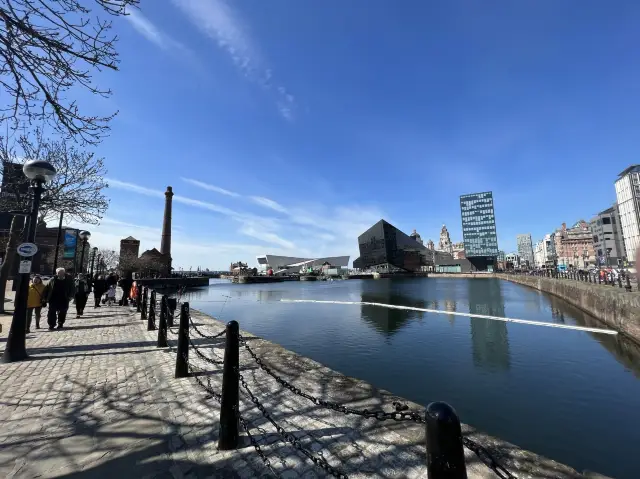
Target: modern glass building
(525,249)
(479,229)
(386,249)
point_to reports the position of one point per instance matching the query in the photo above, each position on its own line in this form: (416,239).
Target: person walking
(82,292)
(57,294)
(34,301)
(125,284)
(99,288)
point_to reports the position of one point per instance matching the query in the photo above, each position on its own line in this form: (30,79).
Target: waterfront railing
(444,440)
(621,280)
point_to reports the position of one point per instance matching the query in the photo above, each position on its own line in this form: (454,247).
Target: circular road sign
(27,249)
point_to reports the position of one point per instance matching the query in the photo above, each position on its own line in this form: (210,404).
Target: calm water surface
(569,395)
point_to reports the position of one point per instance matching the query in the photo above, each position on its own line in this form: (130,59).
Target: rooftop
(630,169)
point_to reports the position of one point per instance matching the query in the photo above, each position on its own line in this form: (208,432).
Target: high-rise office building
(479,229)
(628,197)
(525,249)
(607,237)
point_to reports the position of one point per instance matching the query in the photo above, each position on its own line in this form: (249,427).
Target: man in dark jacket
(125,284)
(57,294)
(99,288)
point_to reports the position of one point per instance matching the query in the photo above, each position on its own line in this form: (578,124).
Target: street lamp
(39,172)
(84,236)
(93,258)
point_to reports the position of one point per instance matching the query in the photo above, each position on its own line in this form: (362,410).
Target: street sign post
(27,249)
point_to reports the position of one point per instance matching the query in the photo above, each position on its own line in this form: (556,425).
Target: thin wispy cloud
(259,200)
(206,205)
(123,185)
(267,203)
(220,22)
(311,231)
(207,186)
(152,33)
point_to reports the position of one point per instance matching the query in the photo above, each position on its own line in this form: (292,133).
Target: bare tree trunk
(17,224)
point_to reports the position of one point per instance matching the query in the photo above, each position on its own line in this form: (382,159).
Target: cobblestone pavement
(99,399)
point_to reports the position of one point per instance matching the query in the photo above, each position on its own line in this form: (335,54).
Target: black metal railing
(622,280)
(444,440)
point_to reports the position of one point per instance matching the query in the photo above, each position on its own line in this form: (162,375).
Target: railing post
(151,320)
(138,299)
(182,359)
(145,301)
(229,407)
(172,304)
(162,327)
(445,454)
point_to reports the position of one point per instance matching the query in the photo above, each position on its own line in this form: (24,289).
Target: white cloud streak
(312,231)
(152,33)
(220,22)
(255,227)
(207,186)
(267,203)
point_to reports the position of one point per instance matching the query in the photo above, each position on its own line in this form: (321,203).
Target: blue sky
(291,127)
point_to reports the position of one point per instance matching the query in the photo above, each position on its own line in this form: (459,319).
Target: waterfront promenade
(99,399)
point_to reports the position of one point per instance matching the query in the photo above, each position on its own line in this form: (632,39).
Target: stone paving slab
(99,399)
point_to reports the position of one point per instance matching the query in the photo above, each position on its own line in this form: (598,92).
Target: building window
(606,221)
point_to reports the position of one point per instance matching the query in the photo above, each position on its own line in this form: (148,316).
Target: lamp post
(94,252)
(39,172)
(84,236)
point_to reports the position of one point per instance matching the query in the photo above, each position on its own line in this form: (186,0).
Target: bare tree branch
(109,258)
(77,189)
(46,48)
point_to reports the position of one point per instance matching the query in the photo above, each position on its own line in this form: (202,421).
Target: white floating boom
(456,313)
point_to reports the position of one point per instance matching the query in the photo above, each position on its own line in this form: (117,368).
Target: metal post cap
(442,412)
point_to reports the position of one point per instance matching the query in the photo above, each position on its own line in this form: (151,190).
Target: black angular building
(385,248)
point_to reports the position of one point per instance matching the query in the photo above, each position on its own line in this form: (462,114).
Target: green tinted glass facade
(479,225)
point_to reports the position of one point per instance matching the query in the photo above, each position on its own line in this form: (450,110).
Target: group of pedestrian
(61,289)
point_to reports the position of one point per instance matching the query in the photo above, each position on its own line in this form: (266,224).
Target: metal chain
(375,414)
(485,456)
(413,416)
(290,438)
(208,389)
(215,362)
(256,446)
(201,334)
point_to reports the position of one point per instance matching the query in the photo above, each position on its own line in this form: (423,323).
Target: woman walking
(82,291)
(34,301)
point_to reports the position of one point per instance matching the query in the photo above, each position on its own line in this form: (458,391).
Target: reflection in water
(450,305)
(388,320)
(489,338)
(623,349)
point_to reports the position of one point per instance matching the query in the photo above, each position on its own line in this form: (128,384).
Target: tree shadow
(126,415)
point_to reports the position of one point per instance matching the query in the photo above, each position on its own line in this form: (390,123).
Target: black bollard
(162,327)
(145,301)
(619,281)
(138,299)
(445,454)
(172,304)
(182,359)
(628,286)
(151,320)
(599,279)
(230,390)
